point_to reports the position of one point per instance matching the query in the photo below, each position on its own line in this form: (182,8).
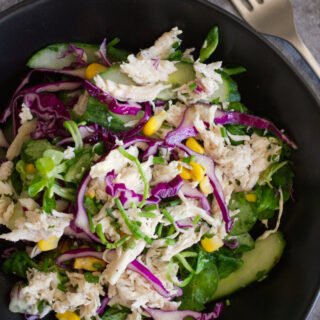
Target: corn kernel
(89,264)
(93,69)
(211,244)
(48,244)
(251,197)
(154,123)
(68,315)
(30,168)
(197,171)
(194,145)
(205,186)
(185,173)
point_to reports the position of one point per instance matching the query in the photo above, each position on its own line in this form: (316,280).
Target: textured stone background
(307,18)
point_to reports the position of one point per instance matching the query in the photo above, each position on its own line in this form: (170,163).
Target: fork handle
(305,52)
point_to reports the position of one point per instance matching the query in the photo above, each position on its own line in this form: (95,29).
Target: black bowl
(271,88)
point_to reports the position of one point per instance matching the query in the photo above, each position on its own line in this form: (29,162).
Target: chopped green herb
(223,132)
(196,220)
(143,176)
(168,216)
(18,263)
(234,71)
(147,214)
(158,160)
(170,242)
(41,305)
(192,86)
(159,230)
(150,207)
(189,159)
(210,44)
(184,262)
(73,129)
(98,266)
(114,53)
(100,234)
(132,225)
(91,278)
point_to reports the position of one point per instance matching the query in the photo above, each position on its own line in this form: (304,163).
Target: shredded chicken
(23,135)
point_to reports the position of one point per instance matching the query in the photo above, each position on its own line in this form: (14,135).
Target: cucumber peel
(257,263)
(50,56)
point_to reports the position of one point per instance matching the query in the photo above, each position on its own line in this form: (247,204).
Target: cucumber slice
(78,166)
(228,91)
(184,74)
(114,74)
(257,263)
(50,57)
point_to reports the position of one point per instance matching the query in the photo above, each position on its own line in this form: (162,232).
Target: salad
(137,185)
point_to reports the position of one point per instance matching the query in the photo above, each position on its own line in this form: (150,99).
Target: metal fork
(275,17)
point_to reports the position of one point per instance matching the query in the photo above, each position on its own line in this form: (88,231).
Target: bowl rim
(20,6)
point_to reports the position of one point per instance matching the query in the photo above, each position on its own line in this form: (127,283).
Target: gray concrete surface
(307,18)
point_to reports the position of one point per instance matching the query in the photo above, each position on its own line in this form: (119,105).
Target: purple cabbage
(74,232)
(103,53)
(92,134)
(157,314)
(155,282)
(8,111)
(46,87)
(78,253)
(136,139)
(231,244)
(152,149)
(53,87)
(136,130)
(208,165)
(119,190)
(79,73)
(135,266)
(167,189)
(113,105)
(50,113)
(184,223)
(235,117)
(103,305)
(78,53)
(194,193)
(184,130)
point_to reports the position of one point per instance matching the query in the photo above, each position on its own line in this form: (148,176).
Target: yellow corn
(30,168)
(211,244)
(251,197)
(93,69)
(197,171)
(88,263)
(48,244)
(205,186)
(68,315)
(194,145)
(154,123)
(185,173)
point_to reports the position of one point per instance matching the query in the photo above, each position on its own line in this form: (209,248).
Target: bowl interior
(270,88)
